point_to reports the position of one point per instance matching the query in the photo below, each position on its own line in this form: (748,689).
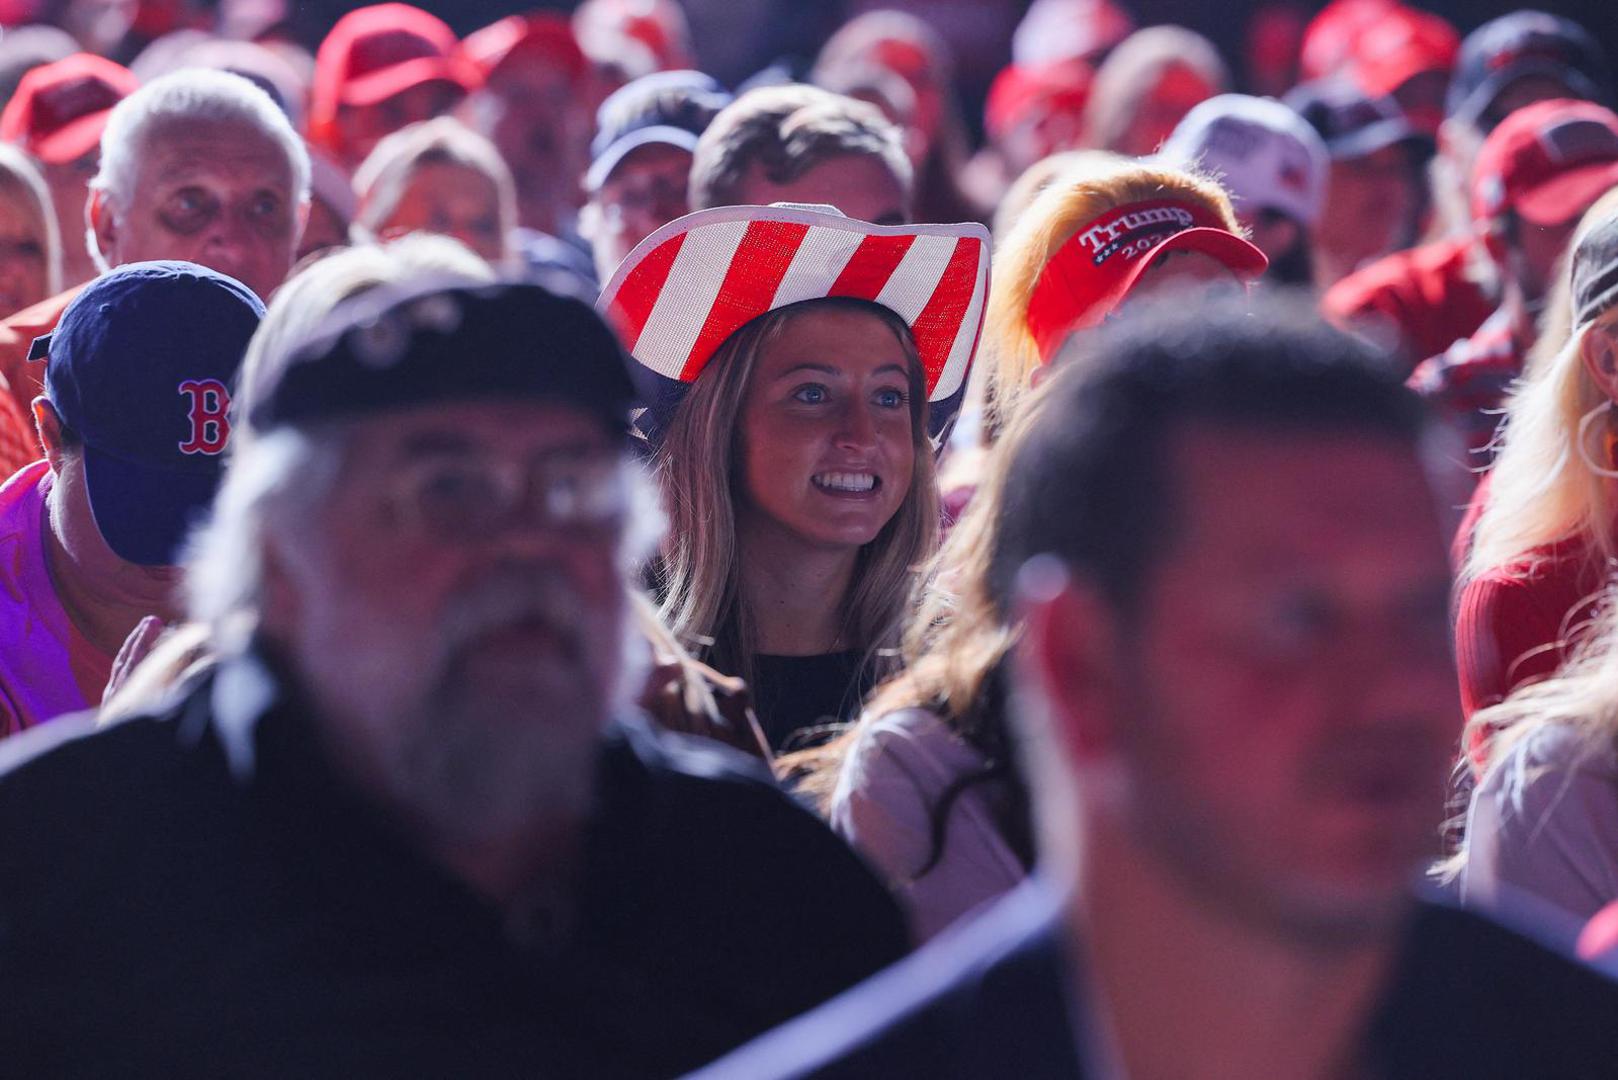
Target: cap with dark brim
(663,135)
(1379,136)
(1476,103)
(145,513)
(429,342)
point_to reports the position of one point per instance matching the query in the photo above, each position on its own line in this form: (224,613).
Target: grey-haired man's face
(215,193)
(461,669)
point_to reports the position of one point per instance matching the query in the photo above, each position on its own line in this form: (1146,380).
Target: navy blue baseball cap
(141,367)
(433,340)
(668,108)
(1523,44)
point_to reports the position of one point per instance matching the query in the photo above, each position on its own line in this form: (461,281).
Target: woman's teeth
(845,481)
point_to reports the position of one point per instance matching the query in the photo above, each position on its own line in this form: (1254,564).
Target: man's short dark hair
(786,131)
(1088,477)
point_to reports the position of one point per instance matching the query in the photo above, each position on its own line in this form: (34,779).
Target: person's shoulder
(76,764)
(1473,997)
(987,998)
(37,318)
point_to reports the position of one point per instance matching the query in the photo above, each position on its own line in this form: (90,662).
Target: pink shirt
(47,668)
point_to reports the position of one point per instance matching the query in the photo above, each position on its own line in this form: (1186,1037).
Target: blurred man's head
(534,105)
(135,417)
(646,134)
(420,436)
(1503,65)
(805,145)
(1237,663)
(201,166)
(382,68)
(1375,194)
(1535,176)
(58,115)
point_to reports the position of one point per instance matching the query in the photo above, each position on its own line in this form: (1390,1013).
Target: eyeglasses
(467,498)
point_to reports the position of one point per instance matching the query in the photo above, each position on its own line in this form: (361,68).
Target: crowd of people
(522,558)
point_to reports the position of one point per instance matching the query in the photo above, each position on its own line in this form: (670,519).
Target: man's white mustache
(539,596)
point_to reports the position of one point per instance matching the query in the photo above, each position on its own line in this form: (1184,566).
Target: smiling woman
(825,353)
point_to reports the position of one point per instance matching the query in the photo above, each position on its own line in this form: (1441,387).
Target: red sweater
(1422,295)
(1518,622)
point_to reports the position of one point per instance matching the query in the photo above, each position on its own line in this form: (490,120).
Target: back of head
(1136,66)
(783,132)
(1084,192)
(1084,471)
(194,96)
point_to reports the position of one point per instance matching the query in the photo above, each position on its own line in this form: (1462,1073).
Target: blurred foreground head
(1236,683)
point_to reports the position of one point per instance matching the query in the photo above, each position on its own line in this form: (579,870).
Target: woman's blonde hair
(1540,490)
(697,462)
(21,179)
(1009,354)
(1133,70)
(383,178)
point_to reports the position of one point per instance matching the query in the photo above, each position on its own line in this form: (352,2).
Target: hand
(136,648)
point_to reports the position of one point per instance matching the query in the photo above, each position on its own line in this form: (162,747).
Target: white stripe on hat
(693,284)
(820,259)
(960,353)
(916,276)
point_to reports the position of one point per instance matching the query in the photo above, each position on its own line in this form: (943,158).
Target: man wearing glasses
(408,824)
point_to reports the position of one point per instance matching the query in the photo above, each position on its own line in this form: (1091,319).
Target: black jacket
(182,897)
(1469,1000)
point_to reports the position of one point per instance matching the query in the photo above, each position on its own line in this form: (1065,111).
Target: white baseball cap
(1265,154)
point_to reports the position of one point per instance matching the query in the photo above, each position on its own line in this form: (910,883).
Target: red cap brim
(72,140)
(1239,256)
(394,79)
(1565,197)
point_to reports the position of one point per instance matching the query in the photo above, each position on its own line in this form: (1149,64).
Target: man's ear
(104,223)
(1070,651)
(1599,353)
(49,426)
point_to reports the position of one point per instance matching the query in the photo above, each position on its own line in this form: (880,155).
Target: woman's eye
(891,399)
(810,395)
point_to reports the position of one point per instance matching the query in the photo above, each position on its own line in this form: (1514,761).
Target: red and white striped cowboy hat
(699,279)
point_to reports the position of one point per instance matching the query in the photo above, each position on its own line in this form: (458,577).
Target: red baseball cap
(375,52)
(546,36)
(1021,87)
(1399,46)
(60,109)
(1328,40)
(1547,162)
(1095,269)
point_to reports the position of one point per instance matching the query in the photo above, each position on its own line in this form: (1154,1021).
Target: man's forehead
(173,150)
(514,428)
(1268,484)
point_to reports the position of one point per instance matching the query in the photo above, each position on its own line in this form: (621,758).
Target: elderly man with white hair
(199,166)
(407,823)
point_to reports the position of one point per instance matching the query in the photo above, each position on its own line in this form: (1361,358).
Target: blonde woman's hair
(21,179)
(696,463)
(383,178)
(1041,175)
(1001,377)
(1540,490)
(1134,68)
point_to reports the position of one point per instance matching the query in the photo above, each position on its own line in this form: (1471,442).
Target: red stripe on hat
(754,274)
(636,297)
(940,321)
(870,267)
